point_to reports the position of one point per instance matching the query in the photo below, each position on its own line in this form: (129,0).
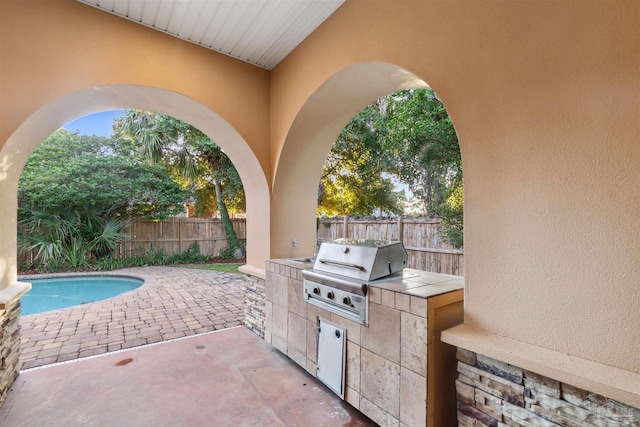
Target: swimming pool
(61,292)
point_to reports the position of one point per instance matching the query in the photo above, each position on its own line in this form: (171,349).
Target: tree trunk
(232,237)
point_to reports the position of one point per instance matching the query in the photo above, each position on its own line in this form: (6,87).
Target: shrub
(189,256)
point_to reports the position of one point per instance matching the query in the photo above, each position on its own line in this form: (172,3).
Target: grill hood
(359,259)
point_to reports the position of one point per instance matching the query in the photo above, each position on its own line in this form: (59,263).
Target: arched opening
(310,138)
(394,173)
(120,191)
(52,116)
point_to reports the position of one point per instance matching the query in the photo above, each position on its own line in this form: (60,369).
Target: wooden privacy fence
(420,236)
(176,235)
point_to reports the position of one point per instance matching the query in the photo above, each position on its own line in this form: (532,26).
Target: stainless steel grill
(343,270)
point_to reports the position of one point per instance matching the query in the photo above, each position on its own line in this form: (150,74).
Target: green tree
(451,215)
(191,155)
(421,145)
(407,135)
(422,150)
(97,175)
(353,180)
(77,192)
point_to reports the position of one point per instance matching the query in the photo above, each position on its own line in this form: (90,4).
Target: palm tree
(189,153)
(68,238)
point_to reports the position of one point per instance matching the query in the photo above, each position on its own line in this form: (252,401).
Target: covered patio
(545,99)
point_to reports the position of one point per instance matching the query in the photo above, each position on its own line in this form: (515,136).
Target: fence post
(346,226)
(180,235)
(400,228)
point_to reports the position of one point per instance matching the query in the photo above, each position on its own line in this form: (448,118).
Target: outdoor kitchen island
(397,370)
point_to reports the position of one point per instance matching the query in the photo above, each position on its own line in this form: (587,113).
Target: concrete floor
(224,378)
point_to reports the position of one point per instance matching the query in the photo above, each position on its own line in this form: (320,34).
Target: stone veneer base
(616,383)
(254,304)
(492,393)
(9,346)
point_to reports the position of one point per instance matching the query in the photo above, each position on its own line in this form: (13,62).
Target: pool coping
(27,277)
(80,276)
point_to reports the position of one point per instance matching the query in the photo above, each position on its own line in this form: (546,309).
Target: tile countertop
(418,283)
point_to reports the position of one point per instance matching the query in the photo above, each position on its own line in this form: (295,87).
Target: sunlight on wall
(5,166)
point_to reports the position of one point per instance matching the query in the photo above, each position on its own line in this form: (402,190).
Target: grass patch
(224,268)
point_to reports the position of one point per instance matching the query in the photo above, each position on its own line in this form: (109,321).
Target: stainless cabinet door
(331,356)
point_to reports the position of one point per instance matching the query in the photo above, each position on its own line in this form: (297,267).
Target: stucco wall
(68,46)
(545,98)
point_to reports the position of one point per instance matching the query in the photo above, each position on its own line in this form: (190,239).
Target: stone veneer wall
(9,346)
(254,302)
(494,394)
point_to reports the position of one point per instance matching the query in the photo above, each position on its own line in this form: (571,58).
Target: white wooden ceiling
(261,32)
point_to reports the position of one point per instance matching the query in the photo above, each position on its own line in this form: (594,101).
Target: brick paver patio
(172,303)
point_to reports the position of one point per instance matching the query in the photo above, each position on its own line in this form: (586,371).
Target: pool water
(61,292)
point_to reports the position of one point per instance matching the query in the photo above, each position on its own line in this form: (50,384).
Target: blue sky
(95,124)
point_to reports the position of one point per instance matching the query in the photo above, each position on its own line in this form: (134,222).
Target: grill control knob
(346,301)
(330,295)
(316,290)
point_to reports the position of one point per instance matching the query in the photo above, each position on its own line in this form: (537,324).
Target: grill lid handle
(342,264)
